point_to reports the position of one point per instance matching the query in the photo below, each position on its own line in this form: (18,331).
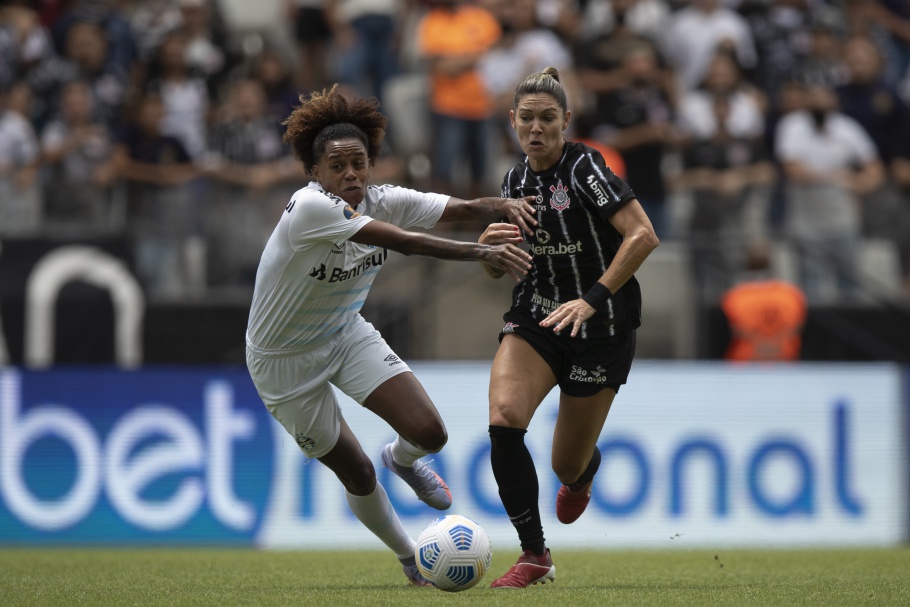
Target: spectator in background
(627,24)
(644,18)
(887,24)
(161,217)
(876,106)
(781,34)
(729,176)
(525,47)
(313,37)
(118,34)
(562,17)
(20,99)
(790,97)
(900,174)
(151,21)
(766,315)
(185,94)
(77,150)
(745,105)
(830,164)
(86,58)
(365,38)
(206,49)
(20,202)
(823,62)
(247,159)
(49,11)
(694,35)
(454,35)
(271,69)
(866,96)
(585,125)
(24,42)
(637,119)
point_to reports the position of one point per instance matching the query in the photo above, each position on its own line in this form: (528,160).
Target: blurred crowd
(736,122)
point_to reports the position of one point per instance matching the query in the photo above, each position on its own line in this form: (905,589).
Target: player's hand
(501,233)
(509,259)
(520,212)
(572,313)
(498,233)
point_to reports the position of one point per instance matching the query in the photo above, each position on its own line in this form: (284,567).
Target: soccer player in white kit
(305,330)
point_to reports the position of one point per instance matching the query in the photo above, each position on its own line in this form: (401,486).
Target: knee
(358,478)
(503,413)
(568,471)
(431,437)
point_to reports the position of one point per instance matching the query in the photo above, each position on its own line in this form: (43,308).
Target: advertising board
(694,454)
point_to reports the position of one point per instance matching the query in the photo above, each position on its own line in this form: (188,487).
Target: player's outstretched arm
(518,211)
(505,257)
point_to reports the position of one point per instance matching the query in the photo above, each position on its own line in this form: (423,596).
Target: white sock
(404,453)
(376,513)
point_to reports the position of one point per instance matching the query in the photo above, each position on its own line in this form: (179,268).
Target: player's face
(344,170)
(539,121)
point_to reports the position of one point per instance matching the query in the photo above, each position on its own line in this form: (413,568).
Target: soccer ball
(453,553)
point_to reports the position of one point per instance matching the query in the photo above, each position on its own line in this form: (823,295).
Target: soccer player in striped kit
(573,318)
(305,331)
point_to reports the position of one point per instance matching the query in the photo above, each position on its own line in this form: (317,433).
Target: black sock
(516,476)
(589,472)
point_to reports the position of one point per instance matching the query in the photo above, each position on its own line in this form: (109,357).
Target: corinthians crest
(560,198)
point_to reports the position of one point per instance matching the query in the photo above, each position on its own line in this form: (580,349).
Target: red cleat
(570,504)
(528,570)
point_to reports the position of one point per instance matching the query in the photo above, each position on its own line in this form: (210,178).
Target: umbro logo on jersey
(392,360)
(338,249)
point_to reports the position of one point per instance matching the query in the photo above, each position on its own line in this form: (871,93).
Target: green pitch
(111,578)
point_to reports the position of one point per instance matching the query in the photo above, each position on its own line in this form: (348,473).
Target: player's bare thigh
(405,405)
(519,381)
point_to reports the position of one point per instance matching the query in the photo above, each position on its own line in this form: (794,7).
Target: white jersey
(311,279)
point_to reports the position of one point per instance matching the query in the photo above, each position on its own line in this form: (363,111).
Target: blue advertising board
(158,455)
(693,454)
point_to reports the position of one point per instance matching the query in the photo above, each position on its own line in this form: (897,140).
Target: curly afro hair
(329,116)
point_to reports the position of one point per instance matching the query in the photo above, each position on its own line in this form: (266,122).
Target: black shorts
(583,367)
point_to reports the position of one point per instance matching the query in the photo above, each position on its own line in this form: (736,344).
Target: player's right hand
(520,211)
(508,258)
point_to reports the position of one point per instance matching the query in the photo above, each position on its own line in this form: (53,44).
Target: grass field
(48,577)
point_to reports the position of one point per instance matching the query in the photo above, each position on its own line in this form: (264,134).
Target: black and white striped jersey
(574,242)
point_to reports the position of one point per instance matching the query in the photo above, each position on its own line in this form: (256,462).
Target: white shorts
(296,390)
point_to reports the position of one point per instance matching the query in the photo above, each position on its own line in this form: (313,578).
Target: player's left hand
(520,212)
(572,313)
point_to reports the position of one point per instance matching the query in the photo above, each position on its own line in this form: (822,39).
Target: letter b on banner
(18,433)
